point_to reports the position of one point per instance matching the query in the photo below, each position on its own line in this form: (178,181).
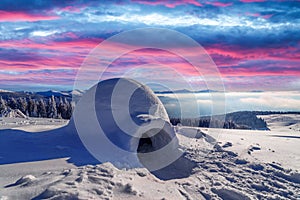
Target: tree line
(205,123)
(53,107)
(235,120)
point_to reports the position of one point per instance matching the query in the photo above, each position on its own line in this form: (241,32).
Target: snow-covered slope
(77,92)
(5,91)
(222,171)
(30,124)
(283,122)
(54,93)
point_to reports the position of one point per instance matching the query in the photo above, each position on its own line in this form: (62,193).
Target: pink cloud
(169,3)
(259,15)
(251,1)
(227,56)
(183,67)
(256,71)
(267,16)
(23,16)
(74,45)
(219,4)
(49,55)
(290,53)
(70,55)
(253,14)
(71,9)
(56,62)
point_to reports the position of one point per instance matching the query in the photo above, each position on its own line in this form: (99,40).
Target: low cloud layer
(235,101)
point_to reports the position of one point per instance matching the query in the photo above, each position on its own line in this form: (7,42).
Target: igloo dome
(123,122)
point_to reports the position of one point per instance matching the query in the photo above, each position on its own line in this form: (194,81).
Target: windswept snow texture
(223,171)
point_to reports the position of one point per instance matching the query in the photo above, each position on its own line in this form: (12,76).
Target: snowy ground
(244,164)
(31,124)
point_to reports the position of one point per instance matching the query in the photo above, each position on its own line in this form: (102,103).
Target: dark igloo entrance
(152,143)
(145,145)
(180,168)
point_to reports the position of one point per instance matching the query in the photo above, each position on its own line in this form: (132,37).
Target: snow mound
(122,121)
(25,180)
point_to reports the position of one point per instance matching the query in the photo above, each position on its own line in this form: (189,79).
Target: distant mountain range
(79,93)
(184,91)
(5,91)
(61,93)
(44,94)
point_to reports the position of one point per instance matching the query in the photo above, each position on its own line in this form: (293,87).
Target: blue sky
(254,43)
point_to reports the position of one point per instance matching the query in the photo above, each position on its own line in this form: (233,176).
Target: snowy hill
(61,93)
(76,92)
(54,93)
(5,91)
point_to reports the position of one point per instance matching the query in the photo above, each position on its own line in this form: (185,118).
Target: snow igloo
(123,122)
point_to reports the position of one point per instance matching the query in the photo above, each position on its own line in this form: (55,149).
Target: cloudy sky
(254,43)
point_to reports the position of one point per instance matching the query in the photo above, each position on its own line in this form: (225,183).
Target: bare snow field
(31,124)
(280,145)
(39,159)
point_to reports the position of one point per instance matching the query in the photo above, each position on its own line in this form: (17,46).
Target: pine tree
(52,110)
(41,109)
(12,103)
(30,106)
(34,112)
(62,108)
(22,105)
(70,108)
(3,105)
